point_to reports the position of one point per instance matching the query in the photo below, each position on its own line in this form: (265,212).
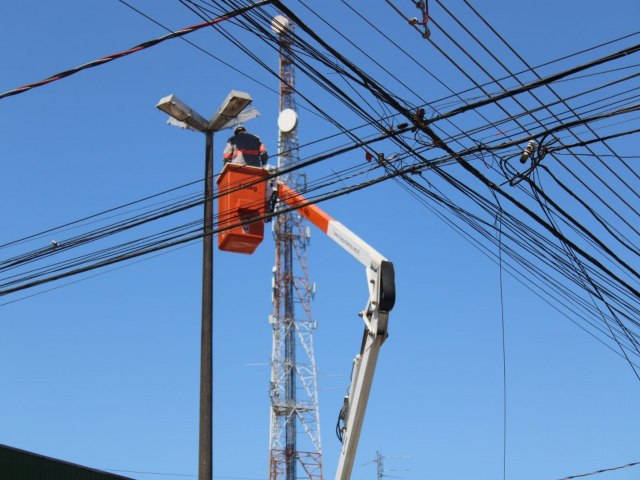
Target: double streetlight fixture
(231,112)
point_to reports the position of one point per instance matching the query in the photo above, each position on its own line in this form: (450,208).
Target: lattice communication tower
(295,446)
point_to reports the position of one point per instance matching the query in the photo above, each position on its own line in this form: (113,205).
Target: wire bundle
(565,219)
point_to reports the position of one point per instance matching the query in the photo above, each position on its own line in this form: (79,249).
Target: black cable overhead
(436,140)
(540,236)
(137,48)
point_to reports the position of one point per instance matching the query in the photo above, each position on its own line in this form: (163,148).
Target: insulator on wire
(530,148)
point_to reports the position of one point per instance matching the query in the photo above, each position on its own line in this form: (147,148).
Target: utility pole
(205,442)
(379,465)
(381,473)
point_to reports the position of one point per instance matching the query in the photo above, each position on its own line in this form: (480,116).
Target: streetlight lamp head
(232,112)
(231,107)
(178,110)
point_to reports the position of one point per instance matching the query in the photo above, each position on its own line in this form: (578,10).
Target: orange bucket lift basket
(242,197)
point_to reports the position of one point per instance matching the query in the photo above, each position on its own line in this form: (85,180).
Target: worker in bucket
(245,149)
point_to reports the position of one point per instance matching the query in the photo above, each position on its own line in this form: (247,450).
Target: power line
(137,48)
(531,242)
(473,171)
(604,470)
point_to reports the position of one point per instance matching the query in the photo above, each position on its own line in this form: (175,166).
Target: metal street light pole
(205,449)
(231,112)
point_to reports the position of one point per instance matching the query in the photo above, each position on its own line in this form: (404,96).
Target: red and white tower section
(295,448)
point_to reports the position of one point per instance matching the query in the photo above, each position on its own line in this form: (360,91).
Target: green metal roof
(16,464)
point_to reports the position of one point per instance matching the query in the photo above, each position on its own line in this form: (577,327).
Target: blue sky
(104,372)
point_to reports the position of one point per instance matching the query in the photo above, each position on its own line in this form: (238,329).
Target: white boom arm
(381,284)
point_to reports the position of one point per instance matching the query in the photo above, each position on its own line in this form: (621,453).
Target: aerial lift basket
(242,197)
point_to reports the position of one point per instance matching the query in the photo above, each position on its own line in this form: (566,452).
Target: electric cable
(137,48)
(381,94)
(603,470)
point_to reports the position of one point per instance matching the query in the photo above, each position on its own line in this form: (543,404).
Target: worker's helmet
(239,129)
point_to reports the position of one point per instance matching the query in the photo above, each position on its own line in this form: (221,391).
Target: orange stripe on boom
(312,213)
